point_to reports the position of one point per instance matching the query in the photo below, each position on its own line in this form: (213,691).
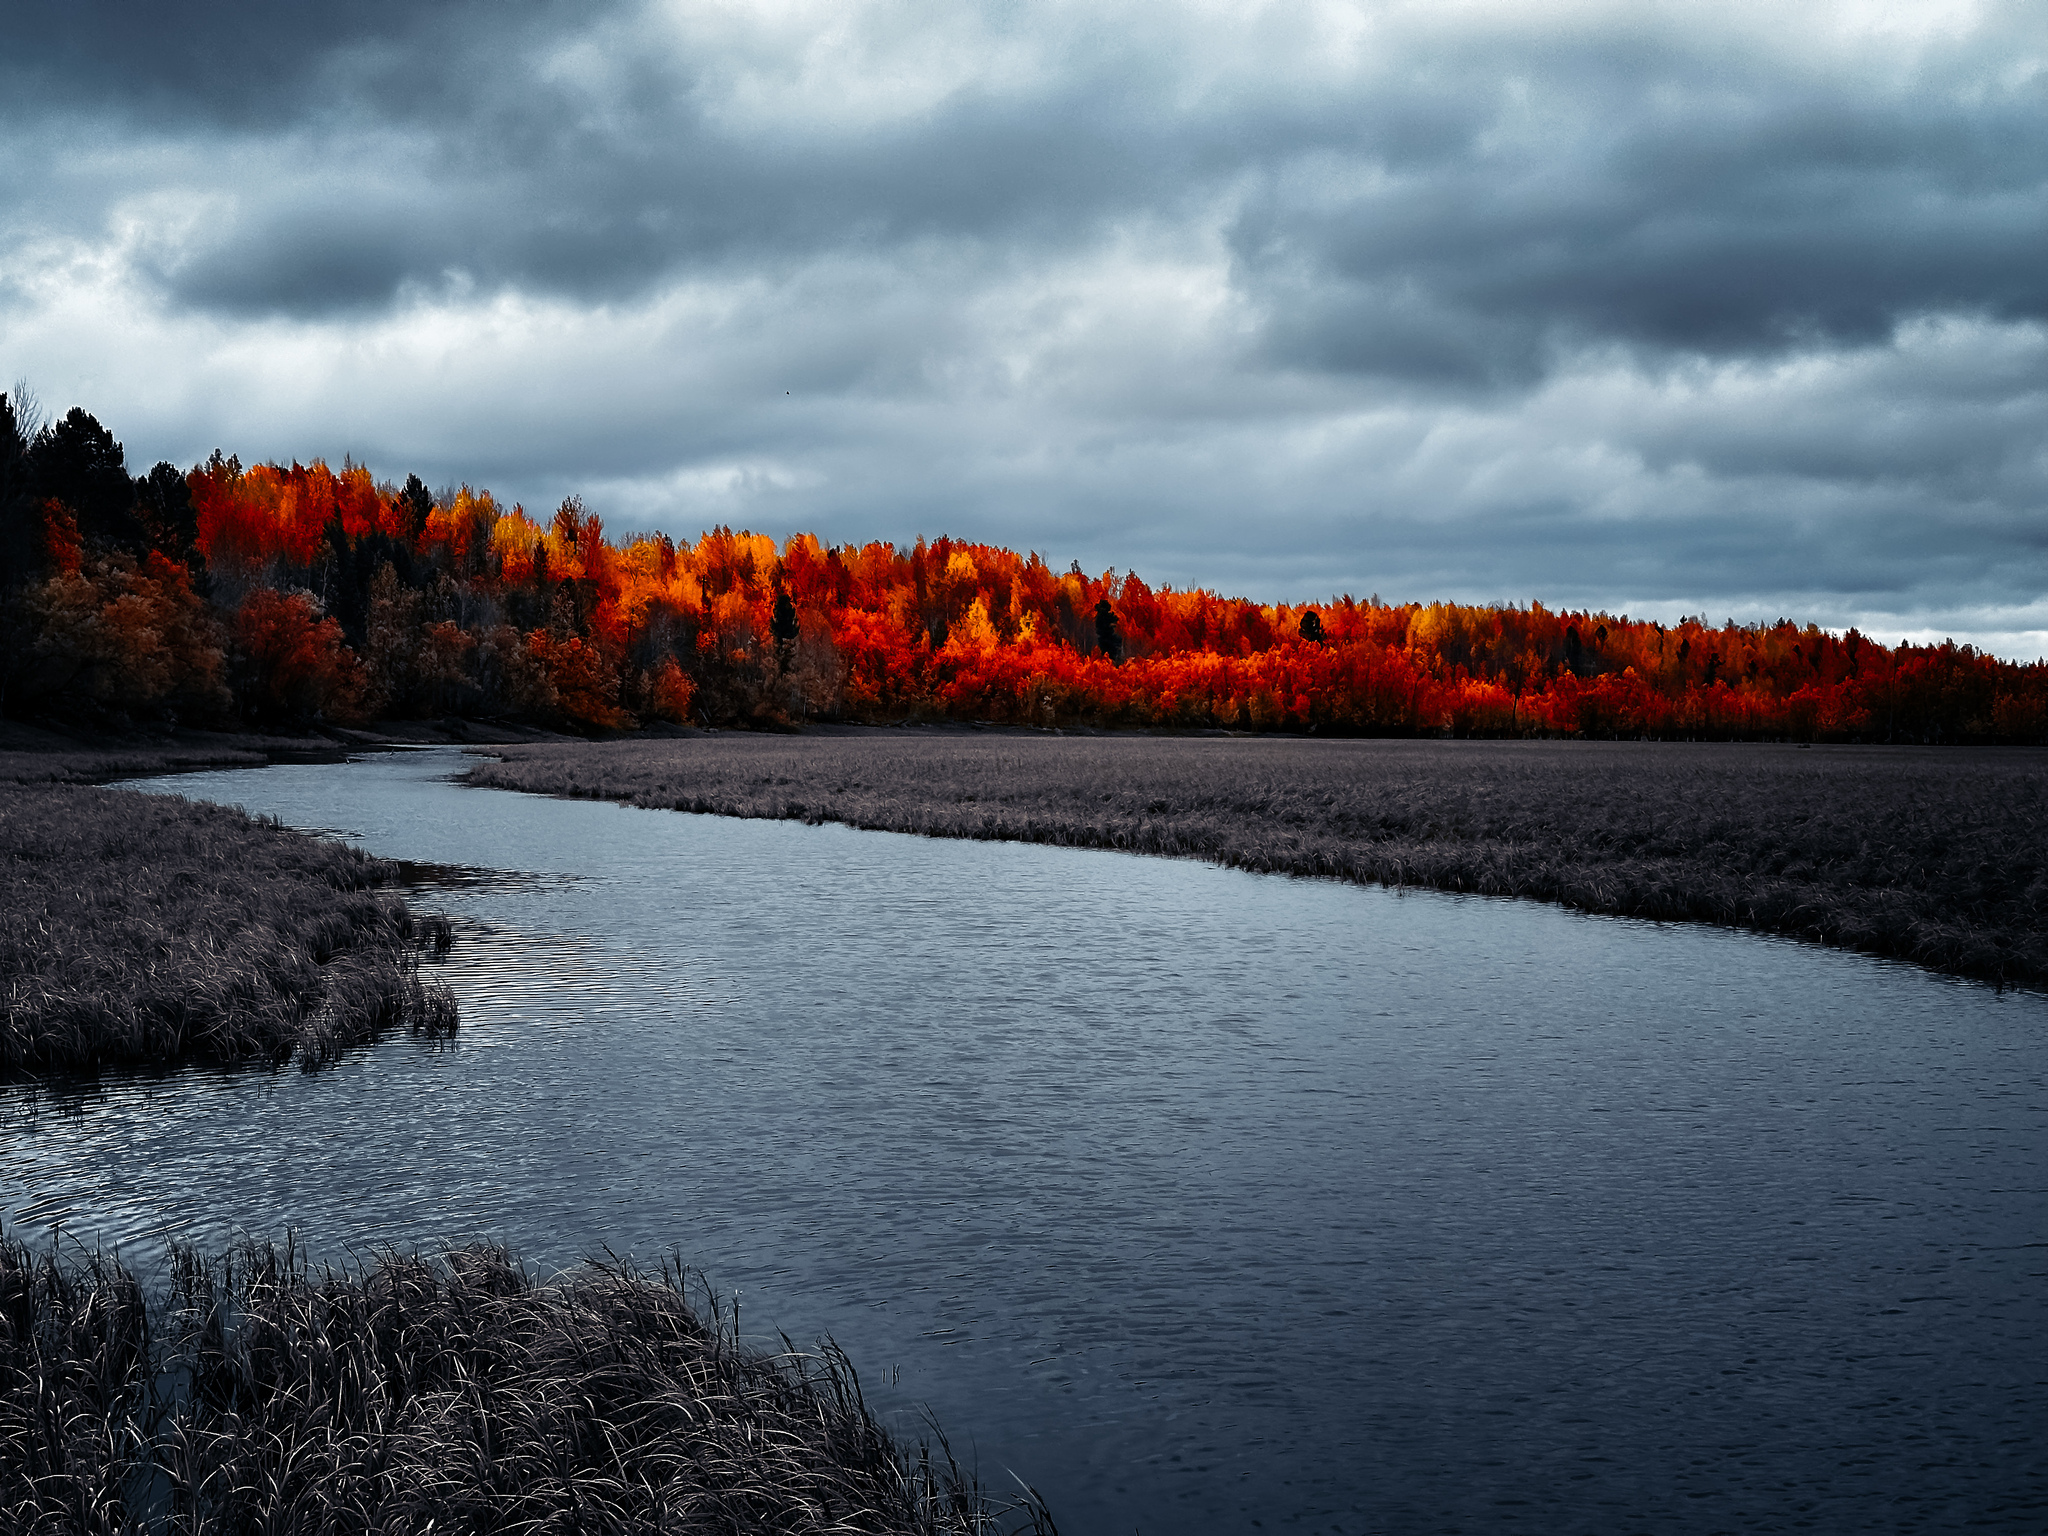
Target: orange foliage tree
(291,662)
(343,597)
(120,634)
(735,628)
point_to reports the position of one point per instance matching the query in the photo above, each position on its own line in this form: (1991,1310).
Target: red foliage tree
(291,663)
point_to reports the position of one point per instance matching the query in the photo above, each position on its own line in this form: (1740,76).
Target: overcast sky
(1729,308)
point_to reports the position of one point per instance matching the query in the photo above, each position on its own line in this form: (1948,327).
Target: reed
(1933,855)
(146,929)
(453,1393)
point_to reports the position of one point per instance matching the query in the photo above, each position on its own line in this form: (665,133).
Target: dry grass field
(1934,855)
(413,1395)
(148,929)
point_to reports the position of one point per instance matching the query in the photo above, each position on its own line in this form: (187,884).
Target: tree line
(279,595)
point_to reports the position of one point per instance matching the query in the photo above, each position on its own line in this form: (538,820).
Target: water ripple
(1198,1198)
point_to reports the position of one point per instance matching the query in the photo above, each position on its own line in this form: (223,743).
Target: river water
(1202,1201)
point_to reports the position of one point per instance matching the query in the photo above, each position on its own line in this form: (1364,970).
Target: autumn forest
(279,595)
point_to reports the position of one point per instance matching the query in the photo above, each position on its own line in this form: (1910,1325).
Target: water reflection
(1198,1198)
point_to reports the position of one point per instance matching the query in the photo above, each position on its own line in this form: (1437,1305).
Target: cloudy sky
(1728,308)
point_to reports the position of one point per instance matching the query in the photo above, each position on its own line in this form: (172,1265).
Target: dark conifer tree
(1107,640)
(570,519)
(783,626)
(164,502)
(20,527)
(1312,627)
(78,463)
(21,553)
(417,502)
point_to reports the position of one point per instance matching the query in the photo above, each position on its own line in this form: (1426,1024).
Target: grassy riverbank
(412,1394)
(38,758)
(142,929)
(1933,855)
(49,754)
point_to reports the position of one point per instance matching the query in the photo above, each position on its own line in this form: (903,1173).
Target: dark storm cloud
(258,67)
(1653,197)
(1722,306)
(1456,208)
(488,165)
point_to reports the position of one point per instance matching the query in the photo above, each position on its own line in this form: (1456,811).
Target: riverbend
(1193,1197)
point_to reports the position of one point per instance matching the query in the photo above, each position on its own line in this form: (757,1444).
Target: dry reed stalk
(258,1395)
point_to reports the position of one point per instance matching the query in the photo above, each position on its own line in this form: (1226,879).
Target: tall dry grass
(1934,855)
(149,929)
(454,1394)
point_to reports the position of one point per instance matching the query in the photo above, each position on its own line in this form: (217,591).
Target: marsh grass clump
(453,1393)
(1933,855)
(75,1364)
(139,929)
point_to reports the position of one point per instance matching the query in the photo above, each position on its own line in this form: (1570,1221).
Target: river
(1202,1201)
